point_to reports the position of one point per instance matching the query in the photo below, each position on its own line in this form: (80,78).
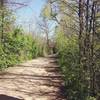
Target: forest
(70,29)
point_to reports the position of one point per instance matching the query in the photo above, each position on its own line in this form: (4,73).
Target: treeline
(15,45)
(78,45)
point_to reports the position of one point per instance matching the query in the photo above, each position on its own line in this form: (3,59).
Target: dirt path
(37,79)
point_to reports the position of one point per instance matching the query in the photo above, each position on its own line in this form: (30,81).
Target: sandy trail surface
(38,79)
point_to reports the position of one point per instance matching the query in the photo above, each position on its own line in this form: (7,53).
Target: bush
(18,47)
(68,51)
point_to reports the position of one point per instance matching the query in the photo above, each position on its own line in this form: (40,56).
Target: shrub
(18,47)
(68,51)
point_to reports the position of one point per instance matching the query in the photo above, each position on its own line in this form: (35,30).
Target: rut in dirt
(38,79)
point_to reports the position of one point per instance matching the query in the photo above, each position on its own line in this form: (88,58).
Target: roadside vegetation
(15,45)
(78,45)
(75,37)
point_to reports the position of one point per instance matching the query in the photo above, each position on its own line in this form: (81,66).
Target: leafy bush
(18,47)
(68,51)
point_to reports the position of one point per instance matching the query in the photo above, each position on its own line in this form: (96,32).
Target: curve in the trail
(38,79)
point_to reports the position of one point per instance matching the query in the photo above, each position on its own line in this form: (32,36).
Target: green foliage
(69,63)
(46,12)
(91,98)
(15,46)
(18,47)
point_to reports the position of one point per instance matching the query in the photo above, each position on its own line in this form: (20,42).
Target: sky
(28,15)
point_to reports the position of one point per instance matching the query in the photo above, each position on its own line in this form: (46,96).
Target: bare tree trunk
(2,18)
(81,42)
(92,62)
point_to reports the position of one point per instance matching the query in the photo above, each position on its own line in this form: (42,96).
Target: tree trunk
(2,18)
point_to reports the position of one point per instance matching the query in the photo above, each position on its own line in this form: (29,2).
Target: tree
(80,18)
(2,17)
(45,29)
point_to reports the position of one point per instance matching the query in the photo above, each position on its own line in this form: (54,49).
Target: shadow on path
(5,97)
(47,83)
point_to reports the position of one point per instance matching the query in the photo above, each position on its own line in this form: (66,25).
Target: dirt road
(38,79)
